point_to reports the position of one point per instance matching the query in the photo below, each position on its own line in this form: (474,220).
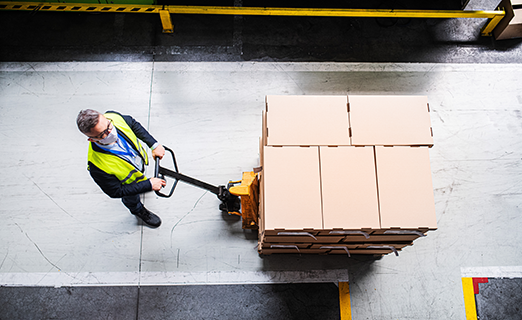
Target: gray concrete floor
(246,301)
(500,299)
(60,230)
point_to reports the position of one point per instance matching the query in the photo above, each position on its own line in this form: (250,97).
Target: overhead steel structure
(165,11)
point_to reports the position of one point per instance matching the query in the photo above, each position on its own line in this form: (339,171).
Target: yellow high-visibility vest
(114,165)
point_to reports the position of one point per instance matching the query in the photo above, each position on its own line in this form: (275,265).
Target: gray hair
(87,119)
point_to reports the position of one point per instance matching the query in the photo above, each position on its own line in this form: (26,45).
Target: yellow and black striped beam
(494,16)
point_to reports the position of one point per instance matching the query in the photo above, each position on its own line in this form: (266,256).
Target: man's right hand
(157,183)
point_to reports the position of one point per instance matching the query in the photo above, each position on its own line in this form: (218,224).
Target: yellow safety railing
(494,16)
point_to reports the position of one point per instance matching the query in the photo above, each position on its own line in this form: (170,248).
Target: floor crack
(186,214)
(37,247)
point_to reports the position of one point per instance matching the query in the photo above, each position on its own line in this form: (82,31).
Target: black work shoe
(149,218)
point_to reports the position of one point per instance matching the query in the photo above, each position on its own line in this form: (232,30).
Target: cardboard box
(280,231)
(260,175)
(382,238)
(349,188)
(276,245)
(405,188)
(302,239)
(421,231)
(379,252)
(319,195)
(511,25)
(306,121)
(394,235)
(292,251)
(390,121)
(360,233)
(292,192)
(397,246)
(345,249)
(379,249)
(334,245)
(264,132)
(327,249)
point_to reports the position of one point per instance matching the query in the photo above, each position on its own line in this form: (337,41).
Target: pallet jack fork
(237,198)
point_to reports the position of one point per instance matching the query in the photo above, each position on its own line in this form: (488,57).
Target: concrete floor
(61,231)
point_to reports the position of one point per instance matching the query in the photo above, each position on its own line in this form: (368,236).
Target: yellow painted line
(344,301)
(469,299)
(79,7)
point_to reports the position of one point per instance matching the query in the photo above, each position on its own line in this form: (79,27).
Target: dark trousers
(133,203)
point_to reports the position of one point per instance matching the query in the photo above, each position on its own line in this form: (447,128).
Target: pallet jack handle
(158,174)
(242,200)
(161,172)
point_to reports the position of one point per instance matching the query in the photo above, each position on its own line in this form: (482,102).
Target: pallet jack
(237,198)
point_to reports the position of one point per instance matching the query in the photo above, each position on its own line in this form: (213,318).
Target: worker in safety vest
(117,159)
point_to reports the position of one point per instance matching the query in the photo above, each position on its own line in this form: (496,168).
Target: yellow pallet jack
(237,198)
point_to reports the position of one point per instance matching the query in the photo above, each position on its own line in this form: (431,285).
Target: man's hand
(157,183)
(159,152)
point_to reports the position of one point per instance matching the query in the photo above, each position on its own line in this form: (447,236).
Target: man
(116,158)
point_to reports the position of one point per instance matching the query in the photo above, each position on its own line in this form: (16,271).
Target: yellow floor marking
(344,301)
(469,299)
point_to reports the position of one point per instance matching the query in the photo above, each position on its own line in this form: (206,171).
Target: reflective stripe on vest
(114,165)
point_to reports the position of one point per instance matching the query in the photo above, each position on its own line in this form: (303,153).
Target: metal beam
(163,10)
(166,21)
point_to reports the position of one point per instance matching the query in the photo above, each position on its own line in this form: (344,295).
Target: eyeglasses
(104,132)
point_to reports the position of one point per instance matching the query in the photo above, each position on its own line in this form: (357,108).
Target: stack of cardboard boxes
(345,174)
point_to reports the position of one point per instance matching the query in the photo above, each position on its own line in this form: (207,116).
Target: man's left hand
(159,152)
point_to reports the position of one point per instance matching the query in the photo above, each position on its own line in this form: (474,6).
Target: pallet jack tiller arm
(229,195)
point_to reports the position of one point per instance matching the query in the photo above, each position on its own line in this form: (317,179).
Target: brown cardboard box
(379,249)
(292,193)
(349,189)
(397,246)
(319,197)
(382,238)
(302,238)
(334,245)
(293,251)
(420,231)
(336,248)
(376,249)
(280,231)
(276,245)
(264,132)
(511,25)
(306,121)
(327,250)
(359,233)
(261,211)
(394,235)
(382,251)
(405,188)
(390,120)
